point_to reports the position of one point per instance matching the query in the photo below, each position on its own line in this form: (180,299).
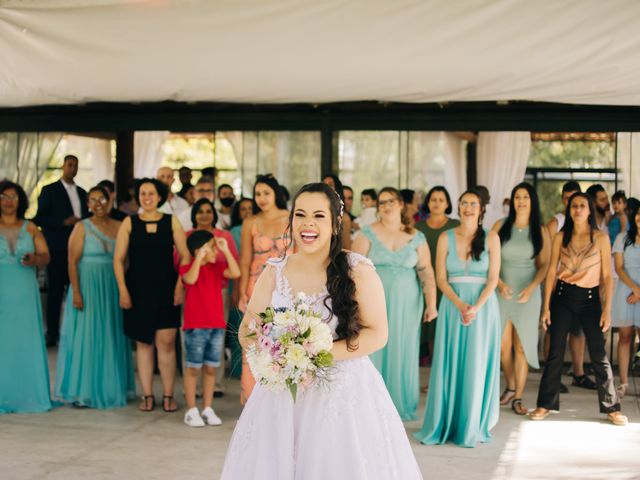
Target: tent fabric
(502,163)
(284,51)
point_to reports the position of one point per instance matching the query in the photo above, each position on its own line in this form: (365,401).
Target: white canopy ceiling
(267,51)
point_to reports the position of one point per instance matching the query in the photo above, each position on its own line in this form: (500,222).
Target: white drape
(501,164)
(94,158)
(280,51)
(455,173)
(147,152)
(628,157)
(24,156)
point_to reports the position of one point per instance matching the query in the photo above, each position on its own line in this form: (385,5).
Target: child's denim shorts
(203,346)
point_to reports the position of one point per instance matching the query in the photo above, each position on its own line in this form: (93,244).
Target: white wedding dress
(346,429)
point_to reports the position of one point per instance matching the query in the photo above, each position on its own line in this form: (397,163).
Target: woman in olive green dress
(437,205)
(524,262)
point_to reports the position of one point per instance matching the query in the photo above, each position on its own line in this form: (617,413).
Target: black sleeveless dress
(151,280)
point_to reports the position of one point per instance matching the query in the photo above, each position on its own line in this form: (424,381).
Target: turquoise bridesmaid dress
(234,320)
(398,361)
(95,367)
(463,396)
(24,374)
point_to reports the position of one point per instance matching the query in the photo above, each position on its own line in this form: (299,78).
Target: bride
(348,428)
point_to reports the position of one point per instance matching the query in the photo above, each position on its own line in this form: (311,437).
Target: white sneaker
(193,418)
(210,417)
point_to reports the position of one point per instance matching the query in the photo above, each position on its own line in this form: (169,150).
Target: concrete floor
(69,444)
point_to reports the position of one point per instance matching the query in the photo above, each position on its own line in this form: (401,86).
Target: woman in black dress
(148,293)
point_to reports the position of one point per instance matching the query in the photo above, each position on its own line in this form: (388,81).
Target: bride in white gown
(348,428)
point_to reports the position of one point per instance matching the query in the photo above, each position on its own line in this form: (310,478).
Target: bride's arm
(260,300)
(373,315)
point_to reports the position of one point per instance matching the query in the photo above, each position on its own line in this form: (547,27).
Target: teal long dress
(463,396)
(517,270)
(233,322)
(432,235)
(398,360)
(24,374)
(95,367)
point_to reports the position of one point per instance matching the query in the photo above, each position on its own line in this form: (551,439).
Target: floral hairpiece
(341,203)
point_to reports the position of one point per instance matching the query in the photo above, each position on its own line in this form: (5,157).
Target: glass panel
(368,159)
(401,159)
(426,161)
(292,157)
(549,188)
(572,154)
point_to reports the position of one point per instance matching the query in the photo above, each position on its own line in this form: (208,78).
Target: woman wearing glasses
(401,256)
(24,375)
(462,401)
(95,367)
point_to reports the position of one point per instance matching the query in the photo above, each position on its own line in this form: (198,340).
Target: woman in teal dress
(525,250)
(95,367)
(24,374)
(242,209)
(401,257)
(462,402)
(437,205)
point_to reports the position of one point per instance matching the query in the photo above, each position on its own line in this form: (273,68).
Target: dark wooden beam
(124,163)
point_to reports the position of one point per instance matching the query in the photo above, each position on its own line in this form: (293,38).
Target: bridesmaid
(24,375)
(242,210)
(462,402)
(95,368)
(263,236)
(525,250)
(437,205)
(402,260)
(149,291)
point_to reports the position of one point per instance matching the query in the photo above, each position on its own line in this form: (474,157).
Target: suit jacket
(54,207)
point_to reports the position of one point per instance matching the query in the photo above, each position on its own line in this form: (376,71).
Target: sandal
(507,396)
(539,413)
(617,418)
(583,381)
(145,405)
(518,407)
(170,401)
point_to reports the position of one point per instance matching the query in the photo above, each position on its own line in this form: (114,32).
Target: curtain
(24,156)
(455,174)
(147,152)
(501,163)
(628,157)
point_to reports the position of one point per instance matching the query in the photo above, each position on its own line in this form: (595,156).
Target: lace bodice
(14,243)
(283,296)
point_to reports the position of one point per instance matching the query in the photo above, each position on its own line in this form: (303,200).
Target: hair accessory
(341,203)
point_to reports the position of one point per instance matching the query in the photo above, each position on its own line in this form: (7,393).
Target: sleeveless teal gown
(24,374)
(398,361)
(517,270)
(95,367)
(463,396)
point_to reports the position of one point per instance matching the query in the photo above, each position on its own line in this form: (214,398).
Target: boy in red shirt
(204,322)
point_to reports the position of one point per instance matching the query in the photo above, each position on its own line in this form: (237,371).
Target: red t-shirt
(203,300)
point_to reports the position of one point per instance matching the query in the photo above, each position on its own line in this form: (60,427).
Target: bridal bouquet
(292,349)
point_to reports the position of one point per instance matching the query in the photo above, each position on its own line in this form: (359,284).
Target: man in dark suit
(60,206)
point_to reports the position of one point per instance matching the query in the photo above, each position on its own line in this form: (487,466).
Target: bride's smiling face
(312,223)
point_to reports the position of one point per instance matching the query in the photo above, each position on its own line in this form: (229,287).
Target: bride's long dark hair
(340,285)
